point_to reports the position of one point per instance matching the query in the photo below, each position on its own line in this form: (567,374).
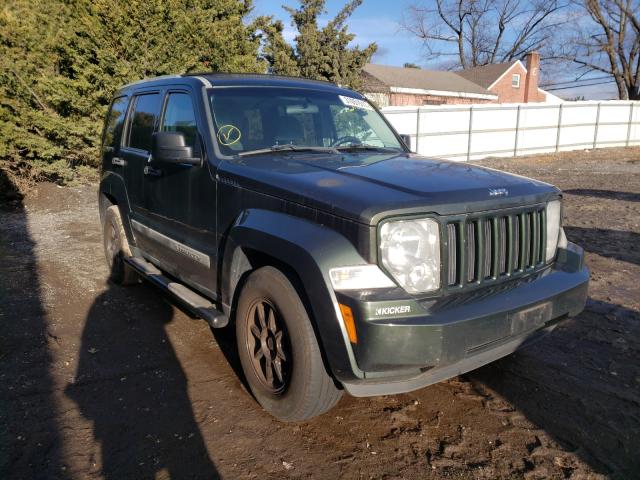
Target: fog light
(359,277)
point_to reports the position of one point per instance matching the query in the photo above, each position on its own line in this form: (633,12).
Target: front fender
(308,249)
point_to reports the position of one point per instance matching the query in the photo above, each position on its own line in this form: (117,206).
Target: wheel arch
(304,251)
(113,191)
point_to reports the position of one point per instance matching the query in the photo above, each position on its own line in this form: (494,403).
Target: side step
(195,303)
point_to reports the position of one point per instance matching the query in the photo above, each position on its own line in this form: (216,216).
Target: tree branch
(35,96)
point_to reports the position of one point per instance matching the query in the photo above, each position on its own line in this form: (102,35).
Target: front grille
(489,247)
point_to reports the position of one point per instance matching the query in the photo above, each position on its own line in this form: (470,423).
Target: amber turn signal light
(349,322)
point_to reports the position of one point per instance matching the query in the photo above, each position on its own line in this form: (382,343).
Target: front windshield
(247,119)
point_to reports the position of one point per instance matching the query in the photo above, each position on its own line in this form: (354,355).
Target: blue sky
(379,21)
(374,21)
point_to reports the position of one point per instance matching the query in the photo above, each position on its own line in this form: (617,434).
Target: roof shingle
(485,75)
(423,79)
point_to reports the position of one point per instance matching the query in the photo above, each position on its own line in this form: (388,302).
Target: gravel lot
(107,382)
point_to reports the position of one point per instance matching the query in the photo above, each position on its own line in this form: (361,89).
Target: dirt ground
(99,381)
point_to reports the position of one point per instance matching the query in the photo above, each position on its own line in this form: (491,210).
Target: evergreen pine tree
(321,53)
(60,62)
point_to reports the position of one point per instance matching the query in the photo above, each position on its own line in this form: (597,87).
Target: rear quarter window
(115,121)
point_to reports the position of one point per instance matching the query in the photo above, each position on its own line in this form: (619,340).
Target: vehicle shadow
(226,341)
(581,384)
(130,384)
(607,243)
(609,194)
(30,440)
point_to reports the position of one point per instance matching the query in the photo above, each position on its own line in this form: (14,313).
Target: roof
(550,97)
(486,75)
(371,84)
(209,80)
(256,78)
(416,78)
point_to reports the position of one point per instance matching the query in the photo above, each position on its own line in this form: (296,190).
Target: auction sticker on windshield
(355,102)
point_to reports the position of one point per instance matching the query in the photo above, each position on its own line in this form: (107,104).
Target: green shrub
(60,62)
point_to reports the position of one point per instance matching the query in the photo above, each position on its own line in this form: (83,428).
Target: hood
(366,187)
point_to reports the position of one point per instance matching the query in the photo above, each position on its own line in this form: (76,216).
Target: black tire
(303,389)
(116,248)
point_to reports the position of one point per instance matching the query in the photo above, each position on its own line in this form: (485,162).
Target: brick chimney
(531,82)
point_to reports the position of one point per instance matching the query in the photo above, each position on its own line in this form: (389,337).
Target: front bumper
(450,336)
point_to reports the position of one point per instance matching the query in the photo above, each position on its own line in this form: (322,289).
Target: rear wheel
(116,248)
(278,349)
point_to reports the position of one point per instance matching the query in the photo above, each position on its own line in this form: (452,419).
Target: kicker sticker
(395,310)
(355,102)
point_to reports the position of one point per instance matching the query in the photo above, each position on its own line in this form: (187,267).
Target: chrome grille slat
(534,239)
(471,251)
(502,259)
(452,251)
(488,247)
(527,239)
(543,236)
(516,243)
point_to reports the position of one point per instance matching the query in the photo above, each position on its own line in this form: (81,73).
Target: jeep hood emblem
(498,192)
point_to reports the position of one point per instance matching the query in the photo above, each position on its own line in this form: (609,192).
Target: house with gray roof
(396,86)
(509,82)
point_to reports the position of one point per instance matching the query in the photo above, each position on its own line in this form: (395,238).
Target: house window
(515,80)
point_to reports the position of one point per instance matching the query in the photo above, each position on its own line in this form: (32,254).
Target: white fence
(468,132)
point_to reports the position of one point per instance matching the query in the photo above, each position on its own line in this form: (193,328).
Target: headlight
(410,251)
(553,228)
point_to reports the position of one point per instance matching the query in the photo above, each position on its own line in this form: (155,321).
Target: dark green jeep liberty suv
(293,211)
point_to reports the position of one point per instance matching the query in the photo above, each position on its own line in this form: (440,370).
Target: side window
(143,120)
(115,120)
(180,117)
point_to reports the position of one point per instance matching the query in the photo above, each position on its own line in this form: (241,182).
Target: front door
(179,202)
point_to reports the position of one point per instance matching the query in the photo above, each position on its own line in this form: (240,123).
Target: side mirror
(406,139)
(170,147)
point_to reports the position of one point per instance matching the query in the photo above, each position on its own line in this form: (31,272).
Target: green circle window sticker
(228,135)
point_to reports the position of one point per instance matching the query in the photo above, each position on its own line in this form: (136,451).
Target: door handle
(154,172)
(118,161)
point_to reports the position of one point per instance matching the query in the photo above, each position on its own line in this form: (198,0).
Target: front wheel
(278,349)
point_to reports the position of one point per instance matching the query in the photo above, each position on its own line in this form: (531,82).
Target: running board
(195,303)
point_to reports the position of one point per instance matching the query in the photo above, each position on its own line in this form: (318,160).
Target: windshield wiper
(288,148)
(364,146)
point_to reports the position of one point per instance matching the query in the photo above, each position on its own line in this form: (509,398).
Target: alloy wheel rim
(267,345)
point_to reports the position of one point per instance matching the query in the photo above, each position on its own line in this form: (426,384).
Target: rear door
(135,152)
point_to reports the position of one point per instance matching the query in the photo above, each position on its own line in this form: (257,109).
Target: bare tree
(607,40)
(480,32)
